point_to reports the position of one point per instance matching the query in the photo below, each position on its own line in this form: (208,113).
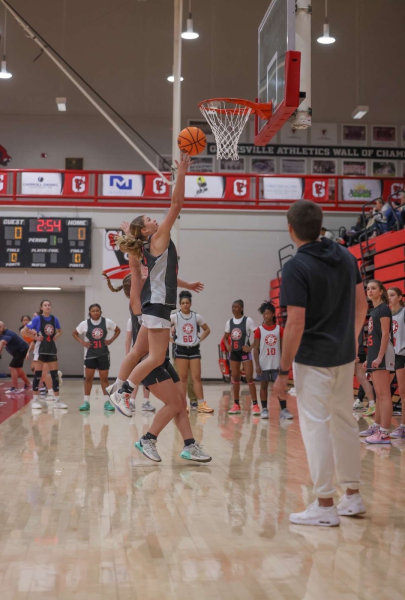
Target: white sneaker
(39,404)
(121,402)
(51,397)
(132,405)
(292,391)
(285,414)
(317,515)
(358,405)
(350,506)
(265,413)
(59,404)
(148,406)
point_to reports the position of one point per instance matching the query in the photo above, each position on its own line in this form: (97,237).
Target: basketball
(192,141)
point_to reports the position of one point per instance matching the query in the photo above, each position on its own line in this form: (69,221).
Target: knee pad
(55,381)
(37,379)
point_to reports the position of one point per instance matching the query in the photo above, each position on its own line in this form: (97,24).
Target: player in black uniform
(380,362)
(162,381)
(45,329)
(239,329)
(97,356)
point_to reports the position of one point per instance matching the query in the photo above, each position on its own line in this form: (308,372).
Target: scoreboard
(45,243)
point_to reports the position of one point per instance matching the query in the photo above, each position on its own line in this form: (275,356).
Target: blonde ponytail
(132,244)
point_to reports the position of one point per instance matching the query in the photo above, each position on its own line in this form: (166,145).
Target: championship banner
(76,184)
(3,184)
(205,186)
(361,189)
(123,185)
(393,187)
(42,184)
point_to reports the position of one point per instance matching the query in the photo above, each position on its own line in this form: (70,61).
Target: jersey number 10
(271,352)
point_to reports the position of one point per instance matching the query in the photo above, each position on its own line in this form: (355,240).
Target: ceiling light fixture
(171,78)
(190,34)
(61,104)
(47,288)
(326,38)
(4,74)
(359,112)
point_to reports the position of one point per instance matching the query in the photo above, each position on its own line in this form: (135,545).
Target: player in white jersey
(187,325)
(267,354)
(397,306)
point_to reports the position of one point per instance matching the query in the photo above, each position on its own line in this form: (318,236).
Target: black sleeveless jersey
(375,336)
(48,332)
(238,335)
(160,286)
(96,334)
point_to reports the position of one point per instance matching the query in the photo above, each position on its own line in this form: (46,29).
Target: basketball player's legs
(264,394)
(103,373)
(364,382)
(21,374)
(46,378)
(14,377)
(158,341)
(235,380)
(174,398)
(400,373)
(381,381)
(248,369)
(182,366)
(137,352)
(195,369)
(88,381)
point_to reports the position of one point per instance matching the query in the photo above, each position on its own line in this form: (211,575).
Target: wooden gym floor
(84,516)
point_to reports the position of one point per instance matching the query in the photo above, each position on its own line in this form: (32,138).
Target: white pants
(329,430)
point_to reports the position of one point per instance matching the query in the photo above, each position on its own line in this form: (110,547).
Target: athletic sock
(189,442)
(119,382)
(283,404)
(201,401)
(87,399)
(371,403)
(403,425)
(149,436)
(236,402)
(254,401)
(385,431)
(377,425)
(264,403)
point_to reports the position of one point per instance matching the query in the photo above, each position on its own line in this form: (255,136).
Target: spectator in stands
(355,232)
(327,234)
(378,222)
(393,216)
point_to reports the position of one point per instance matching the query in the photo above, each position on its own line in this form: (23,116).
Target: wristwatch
(281,372)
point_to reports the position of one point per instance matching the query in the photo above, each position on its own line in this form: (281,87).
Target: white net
(227,124)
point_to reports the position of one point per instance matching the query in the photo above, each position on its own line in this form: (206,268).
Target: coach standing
(326,307)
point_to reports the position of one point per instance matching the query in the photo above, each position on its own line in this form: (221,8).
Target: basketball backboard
(279,63)
(276,37)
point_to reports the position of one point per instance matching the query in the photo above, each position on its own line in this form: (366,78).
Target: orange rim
(261,109)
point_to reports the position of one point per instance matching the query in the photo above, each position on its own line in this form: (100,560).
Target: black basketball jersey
(48,332)
(160,286)
(238,335)
(375,336)
(96,334)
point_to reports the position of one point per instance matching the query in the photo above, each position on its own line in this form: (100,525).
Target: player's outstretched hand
(183,165)
(196,286)
(125,226)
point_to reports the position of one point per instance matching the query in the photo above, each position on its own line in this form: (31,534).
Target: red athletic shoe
(256,410)
(235,410)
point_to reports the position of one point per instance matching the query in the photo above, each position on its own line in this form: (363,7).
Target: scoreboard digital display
(51,243)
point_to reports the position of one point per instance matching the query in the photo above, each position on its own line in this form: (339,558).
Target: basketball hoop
(227,117)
